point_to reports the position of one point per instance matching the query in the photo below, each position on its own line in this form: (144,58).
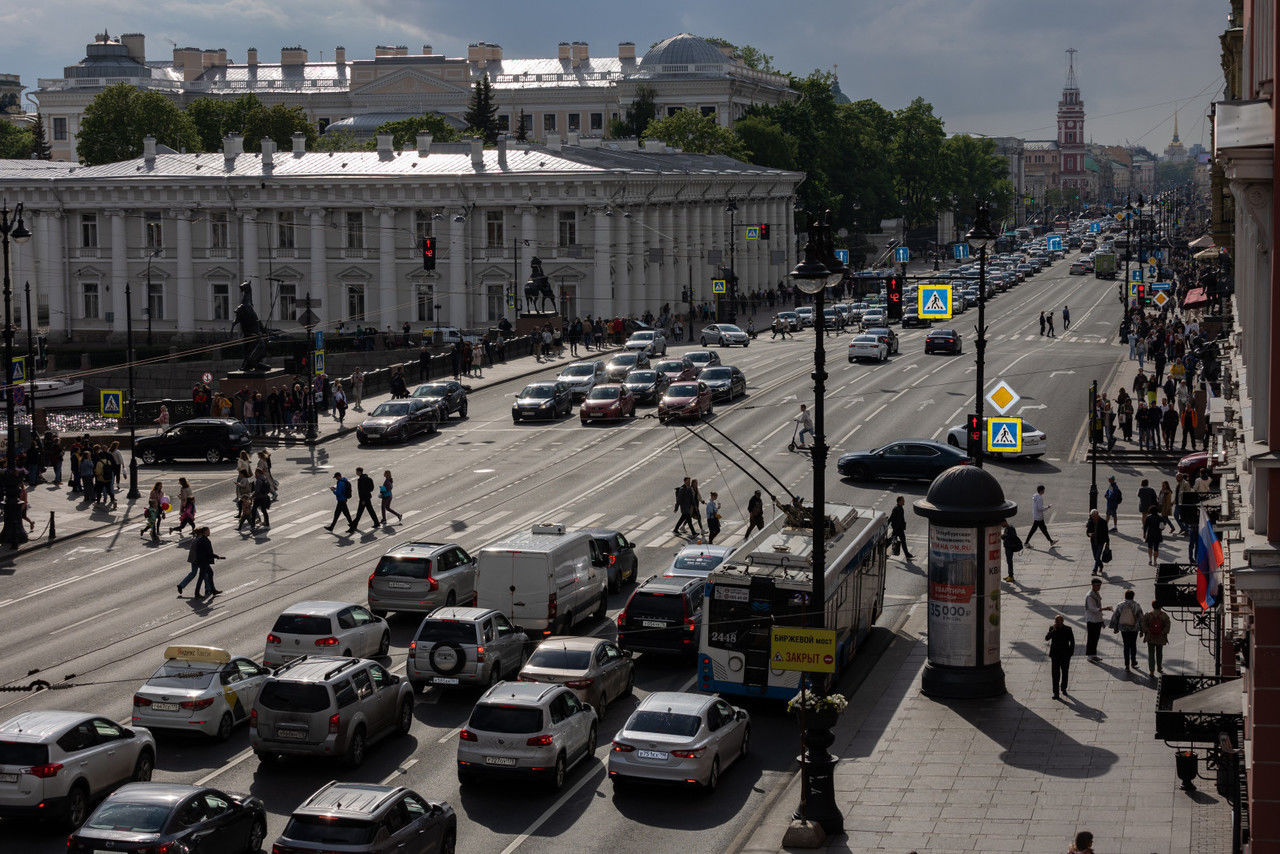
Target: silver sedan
(680,739)
(595,669)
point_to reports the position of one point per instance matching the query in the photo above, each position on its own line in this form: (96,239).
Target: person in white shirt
(1093,620)
(713,517)
(805,420)
(1038,508)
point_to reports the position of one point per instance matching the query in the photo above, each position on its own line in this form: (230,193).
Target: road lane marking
(233,762)
(403,769)
(97,616)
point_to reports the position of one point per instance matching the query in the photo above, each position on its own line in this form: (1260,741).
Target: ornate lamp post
(981,236)
(12,535)
(731,295)
(133,494)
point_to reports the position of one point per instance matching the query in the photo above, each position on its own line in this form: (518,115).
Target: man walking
(684,506)
(1093,619)
(1154,626)
(898,527)
(1066,318)
(1042,322)
(1099,539)
(1126,620)
(1148,501)
(755,514)
(341,490)
(1062,646)
(261,500)
(1038,508)
(1049,319)
(713,518)
(1113,497)
(364,494)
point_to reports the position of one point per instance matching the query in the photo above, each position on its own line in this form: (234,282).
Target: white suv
(526,728)
(57,764)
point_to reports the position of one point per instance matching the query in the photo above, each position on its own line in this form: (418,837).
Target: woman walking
(697,502)
(264,462)
(186,507)
(1152,526)
(244,465)
(244,500)
(1166,505)
(385,492)
(155,511)
(339,403)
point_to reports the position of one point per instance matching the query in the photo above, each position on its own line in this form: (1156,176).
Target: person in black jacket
(898,528)
(1062,646)
(1012,544)
(685,504)
(364,491)
(202,560)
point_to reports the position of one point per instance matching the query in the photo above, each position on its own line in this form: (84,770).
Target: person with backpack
(1113,497)
(1012,545)
(1126,619)
(385,493)
(1154,627)
(755,514)
(341,490)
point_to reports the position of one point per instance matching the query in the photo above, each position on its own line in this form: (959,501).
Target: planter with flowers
(817,710)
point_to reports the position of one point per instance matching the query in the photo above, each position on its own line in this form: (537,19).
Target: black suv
(449,396)
(663,615)
(211,439)
(362,817)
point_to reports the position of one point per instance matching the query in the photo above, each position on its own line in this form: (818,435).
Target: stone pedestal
(255,381)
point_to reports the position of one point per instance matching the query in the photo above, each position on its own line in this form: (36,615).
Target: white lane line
(587,520)
(233,762)
(403,769)
(661,541)
(645,525)
(449,736)
(97,616)
(623,521)
(300,521)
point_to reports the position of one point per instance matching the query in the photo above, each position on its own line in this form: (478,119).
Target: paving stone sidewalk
(1023,772)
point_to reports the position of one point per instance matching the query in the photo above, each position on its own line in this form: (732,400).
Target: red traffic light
(428,253)
(764,231)
(974,429)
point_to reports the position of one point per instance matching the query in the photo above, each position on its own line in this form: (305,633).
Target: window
(493,231)
(597,121)
(708,111)
(493,298)
(559,708)
(421,226)
(346,695)
(671,111)
(322,123)
(355,235)
(221,301)
(288,301)
(364,687)
(575,122)
(219,230)
(567,228)
(504,123)
(284,230)
(424,302)
(89,300)
(59,129)
(549,122)
(215,804)
(155,301)
(526,119)
(153,230)
(89,231)
(381,678)
(355,302)
(107,730)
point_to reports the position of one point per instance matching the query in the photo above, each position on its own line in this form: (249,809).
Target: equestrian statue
(538,289)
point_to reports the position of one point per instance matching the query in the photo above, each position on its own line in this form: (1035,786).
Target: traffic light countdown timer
(894,290)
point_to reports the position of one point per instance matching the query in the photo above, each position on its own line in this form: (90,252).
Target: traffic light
(973,436)
(764,231)
(1142,294)
(894,289)
(428,253)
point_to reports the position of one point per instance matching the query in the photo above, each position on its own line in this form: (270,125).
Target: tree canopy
(16,143)
(404,133)
(696,134)
(636,119)
(214,119)
(115,122)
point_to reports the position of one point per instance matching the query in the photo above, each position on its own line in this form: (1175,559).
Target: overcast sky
(988,66)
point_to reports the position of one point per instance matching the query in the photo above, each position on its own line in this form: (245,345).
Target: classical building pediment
(409,81)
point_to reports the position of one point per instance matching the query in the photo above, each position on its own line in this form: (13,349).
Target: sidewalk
(1023,772)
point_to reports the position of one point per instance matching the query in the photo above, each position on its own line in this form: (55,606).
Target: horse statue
(537,291)
(254,333)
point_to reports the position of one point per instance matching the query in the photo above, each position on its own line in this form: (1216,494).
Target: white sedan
(680,739)
(868,347)
(1034,442)
(648,341)
(724,334)
(199,689)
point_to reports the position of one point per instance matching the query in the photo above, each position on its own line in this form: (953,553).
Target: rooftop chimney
(384,146)
(493,52)
(502,151)
(626,50)
(340,55)
(135,43)
(251,57)
(426,50)
(580,54)
(299,143)
(296,55)
(475,53)
(424,143)
(477,152)
(149,150)
(565,51)
(189,59)
(553,142)
(268,154)
(232,147)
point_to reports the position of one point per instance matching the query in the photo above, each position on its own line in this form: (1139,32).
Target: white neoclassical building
(620,228)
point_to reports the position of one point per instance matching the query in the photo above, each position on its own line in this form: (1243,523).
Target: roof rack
(350,662)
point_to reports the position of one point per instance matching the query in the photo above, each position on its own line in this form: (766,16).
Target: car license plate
(165,707)
(653,624)
(444,680)
(8,778)
(398,585)
(653,754)
(499,760)
(291,734)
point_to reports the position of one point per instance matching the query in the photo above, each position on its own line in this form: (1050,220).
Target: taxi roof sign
(808,650)
(211,654)
(1004,434)
(933,302)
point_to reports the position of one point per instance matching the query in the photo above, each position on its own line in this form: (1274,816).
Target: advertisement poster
(991,600)
(953,611)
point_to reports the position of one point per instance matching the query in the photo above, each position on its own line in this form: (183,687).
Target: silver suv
(526,728)
(328,706)
(421,577)
(474,646)
(362,817)
(55,764)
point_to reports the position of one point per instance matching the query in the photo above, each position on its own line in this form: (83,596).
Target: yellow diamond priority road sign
(1002,398)
(1160,299)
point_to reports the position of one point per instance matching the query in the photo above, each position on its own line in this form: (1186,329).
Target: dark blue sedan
(906,459)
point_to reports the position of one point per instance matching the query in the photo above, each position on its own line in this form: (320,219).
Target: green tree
(755,58)
(210,117)
(522,128)
(482,115)
(978,174)
(40,149)
(341,139)
(278,123)
(116,121)
(696,134)
(767,144)
(919,162)
(16,143)
(404,133)
(637,117)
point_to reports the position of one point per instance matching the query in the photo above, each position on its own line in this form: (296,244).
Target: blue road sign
(1095,227)
(319,339)
(1158,254)
(717,286)
(842,255)
(753,232)
(110,403)
(1161,286)
(934,302)
(1004,434)
(961,251)
(19,394)
(1152,272)
(319,360)
(1055,244)
(901,255)
(18,369)
(1135,275)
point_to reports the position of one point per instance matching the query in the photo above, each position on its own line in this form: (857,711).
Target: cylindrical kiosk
(965,506)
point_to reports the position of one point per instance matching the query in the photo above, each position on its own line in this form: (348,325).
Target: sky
(992,67)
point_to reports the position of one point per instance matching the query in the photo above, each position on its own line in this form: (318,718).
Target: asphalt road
(98,612)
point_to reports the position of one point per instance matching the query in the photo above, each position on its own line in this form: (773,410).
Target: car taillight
(622,747)
(466,735)
(479,653)
(329,641)
(688,754)
(613,559)
(433,584)
(141,701)
(371,579)
(197,705)
(335,721)
(253,719)
(273,639)
(622,618)
(46,771)
(413,649)
(539,741)
(690,624)
(580,683)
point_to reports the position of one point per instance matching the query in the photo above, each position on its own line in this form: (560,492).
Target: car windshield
(665,723)
(943,333)
(129,818)
(604,394)
(670,367)
(431,391)
(866,339)
(324,830)
(403,567)
(641,336)
(514,719)
(391,409)
(446,631)
(682,390)
(559,658)
(301,624)
(717,373)
(307,697)
(729,327)
(699,563)
(181,675)
(641,377)
(625,359)
(540,392)
(579,370)
(699,357)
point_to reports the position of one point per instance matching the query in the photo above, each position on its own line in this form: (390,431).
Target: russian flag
(1208,559)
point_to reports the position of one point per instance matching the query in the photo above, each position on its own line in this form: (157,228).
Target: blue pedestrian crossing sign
(753,232)
(1135,275)
(1055,244)
(901,255)
(717,286)
(319,339)
(842,255)
(1133,290)
(1095,227)
(1004,435)
(961,251)
(110,403)
(934,302)
(18,369)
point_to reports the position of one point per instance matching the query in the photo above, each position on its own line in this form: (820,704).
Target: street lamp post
(732,289)
(981,235)
(31,354)
(13,534)
(1094,430)
(133,494)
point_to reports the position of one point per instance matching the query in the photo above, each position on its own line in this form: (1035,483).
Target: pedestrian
(339,403)
(455,357)
(104,479)
(1062,647)
(1083,843)
(1066,318)
(162,420)
(25,504)
(805,422)
(1152,528)
(54,454)
(697,502)
(1147,499)
(755,514)
(264,462)
(1126,619)
(341,490)
(1113,497)
(205,560)
(1189,425)
(1093,619)
(1099,540)
(385,492)
(898,529)
(193,554)
(261,499)
(117,464)
(186,507)
(244,501)
(1012,545)
(684,506)
(155,511)
(86,475)
(1038,509)
(1169,421)
(1049,320)
(1042,324)
(364,495)
(1154,626)
(244,465)
(357,388)
(1165,507)
(713,518)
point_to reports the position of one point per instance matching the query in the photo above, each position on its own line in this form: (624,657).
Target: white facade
(620,229)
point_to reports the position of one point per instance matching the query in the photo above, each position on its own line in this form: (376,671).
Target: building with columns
(621,228)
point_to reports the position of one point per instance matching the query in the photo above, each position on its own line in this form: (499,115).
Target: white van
(546,581)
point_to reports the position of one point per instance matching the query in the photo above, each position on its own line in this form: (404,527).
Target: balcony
(351,254)
(86,252)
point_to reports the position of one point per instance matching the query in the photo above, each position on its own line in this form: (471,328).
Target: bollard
(53,534)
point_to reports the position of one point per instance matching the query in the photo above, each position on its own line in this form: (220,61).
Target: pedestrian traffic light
(764,231)
(973,436)
(1142,294)
(894,289)
(428,253)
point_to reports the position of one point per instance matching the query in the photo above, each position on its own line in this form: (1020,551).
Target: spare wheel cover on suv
(447,657)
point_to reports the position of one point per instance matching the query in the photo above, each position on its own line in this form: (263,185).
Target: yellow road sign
(810,650)
(1003,397)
